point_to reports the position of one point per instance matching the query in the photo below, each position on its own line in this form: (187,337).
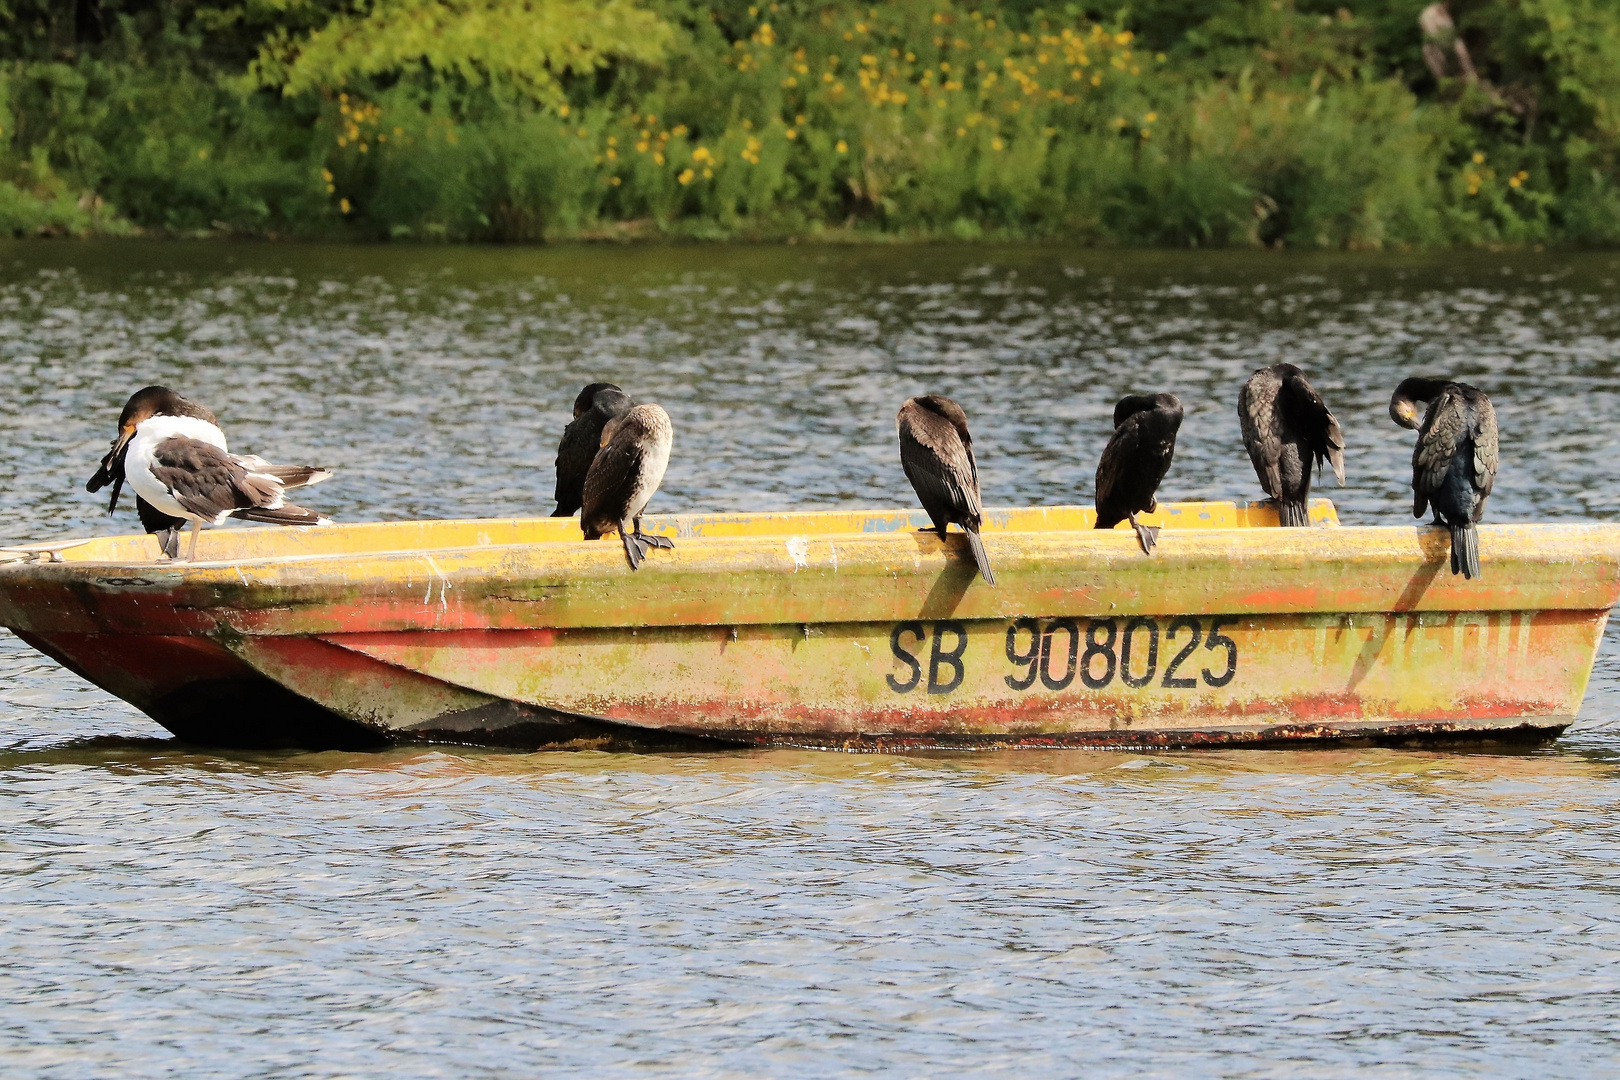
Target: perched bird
(174,457)
(595,406)
(1454,462)
(937,453)
(1135,460)
(627,469)
(1285,424)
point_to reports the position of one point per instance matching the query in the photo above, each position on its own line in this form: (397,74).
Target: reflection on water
(779,913)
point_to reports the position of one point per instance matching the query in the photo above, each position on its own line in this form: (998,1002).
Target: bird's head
(1403,404)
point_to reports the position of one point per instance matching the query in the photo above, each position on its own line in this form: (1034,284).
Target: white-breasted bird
(173,455)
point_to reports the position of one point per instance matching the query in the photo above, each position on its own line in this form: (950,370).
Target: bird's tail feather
(1294,514)
(1465,550)
(290,476)
(286,514)
(981,557)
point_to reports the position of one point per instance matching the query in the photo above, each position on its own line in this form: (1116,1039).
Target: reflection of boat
(834,629)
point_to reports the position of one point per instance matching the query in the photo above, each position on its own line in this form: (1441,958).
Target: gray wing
(207,481)
(1443,431)
(1486,453)
(947,479)
(1256,403)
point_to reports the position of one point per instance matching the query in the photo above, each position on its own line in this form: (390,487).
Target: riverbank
(1221,123)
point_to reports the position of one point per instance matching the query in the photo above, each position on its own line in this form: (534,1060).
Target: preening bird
(174,457)
(1454,462)
(1286,424)
(627,469)
(937,453)
(1135,460)
(595,406)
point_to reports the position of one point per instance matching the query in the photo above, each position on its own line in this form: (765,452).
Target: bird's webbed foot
(651,539)
(168,542)
(635,548)
(1146,535)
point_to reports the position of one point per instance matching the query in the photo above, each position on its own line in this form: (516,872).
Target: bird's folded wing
(207,481)
(612,473)
(942,478)
(575,453)
(1255,403)
(1443,432)
(1486,453)
(1312,413)
(1122,447)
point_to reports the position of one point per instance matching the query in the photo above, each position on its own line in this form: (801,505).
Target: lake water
(174,911)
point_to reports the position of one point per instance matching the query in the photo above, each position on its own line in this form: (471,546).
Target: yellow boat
(846,629)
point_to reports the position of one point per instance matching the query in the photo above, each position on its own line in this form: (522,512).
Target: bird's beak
(111,470)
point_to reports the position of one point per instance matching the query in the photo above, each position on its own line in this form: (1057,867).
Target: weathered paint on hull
(843,629)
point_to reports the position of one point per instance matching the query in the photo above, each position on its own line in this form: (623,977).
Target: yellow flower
(613,155)
(961,131)
(1514,181)
(658,159)
(563,111)
(202,155)
(1479,159)
(1151,118)
(343,205)
(686,176)
(326,174)
(708,174)
(642,146)
(615,181)
(792,134)
(996,143)
(842,147)
(678,130)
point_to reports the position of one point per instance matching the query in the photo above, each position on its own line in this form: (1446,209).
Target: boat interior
(251,542)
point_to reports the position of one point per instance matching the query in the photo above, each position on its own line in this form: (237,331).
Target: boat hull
(805,631)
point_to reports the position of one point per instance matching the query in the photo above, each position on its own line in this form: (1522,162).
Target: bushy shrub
(1287,122)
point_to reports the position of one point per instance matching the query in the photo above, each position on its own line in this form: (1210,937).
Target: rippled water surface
(173,911)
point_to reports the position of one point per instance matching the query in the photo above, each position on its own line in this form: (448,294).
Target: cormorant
(937,453)
(597,404)
(173,455)
(1285,424)
(1135,460)
(626,472)
(1454,462)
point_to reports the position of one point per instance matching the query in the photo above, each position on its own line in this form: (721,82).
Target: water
(174,911)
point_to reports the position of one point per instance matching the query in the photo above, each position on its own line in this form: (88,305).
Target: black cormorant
(937,453)
(1285,424)
(1454,462)
(627,469)
(1135,460)
(597,404)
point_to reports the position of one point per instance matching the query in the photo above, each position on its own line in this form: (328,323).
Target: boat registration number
(1053,653)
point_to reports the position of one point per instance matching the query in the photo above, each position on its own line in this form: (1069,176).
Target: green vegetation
(1179,122)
